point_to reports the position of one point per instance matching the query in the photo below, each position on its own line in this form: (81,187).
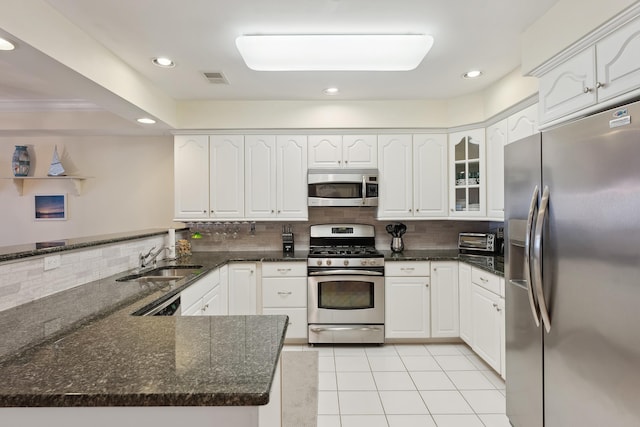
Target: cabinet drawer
(297,320)
(407,268)
(284,269)
(488,281)
(284,292)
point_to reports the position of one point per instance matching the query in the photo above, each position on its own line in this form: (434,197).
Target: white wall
(429,114)
(131,187)
(564,24)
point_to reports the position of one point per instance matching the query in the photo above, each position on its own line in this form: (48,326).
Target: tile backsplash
(432,234)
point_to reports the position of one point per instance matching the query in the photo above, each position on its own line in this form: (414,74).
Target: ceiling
(200,36)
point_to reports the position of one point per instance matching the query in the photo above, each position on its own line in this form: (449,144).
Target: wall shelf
(77,181)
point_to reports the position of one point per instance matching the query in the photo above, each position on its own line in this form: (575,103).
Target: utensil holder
(397,244)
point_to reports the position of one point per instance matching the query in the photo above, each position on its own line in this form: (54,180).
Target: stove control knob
(328,262)
(365,262)
(319,262)
(346,262)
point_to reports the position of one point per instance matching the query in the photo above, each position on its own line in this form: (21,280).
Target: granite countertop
(116,359)
(9,253)
(491,263)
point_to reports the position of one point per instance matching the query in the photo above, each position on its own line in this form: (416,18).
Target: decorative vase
(20,162)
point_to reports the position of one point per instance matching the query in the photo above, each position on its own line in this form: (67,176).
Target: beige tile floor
(443,385)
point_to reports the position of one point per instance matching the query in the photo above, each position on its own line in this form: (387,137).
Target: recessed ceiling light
(331,91)
(6,44)
(472,74)
(163,62)
(334,52)
(146,121)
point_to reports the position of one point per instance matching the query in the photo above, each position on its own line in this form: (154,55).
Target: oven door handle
(346,273)
(346,328)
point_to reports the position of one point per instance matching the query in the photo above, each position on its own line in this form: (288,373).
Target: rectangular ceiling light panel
(396,52)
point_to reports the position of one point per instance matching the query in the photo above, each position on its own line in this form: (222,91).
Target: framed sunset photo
(50,207)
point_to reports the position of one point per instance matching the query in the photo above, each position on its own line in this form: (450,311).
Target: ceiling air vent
(215,77)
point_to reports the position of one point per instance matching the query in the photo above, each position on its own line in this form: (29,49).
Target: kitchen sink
(162,274)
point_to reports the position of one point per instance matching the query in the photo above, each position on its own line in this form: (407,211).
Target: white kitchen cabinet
(599,73)
(503,341)
(360,151)
(445,317)
(407,300)
(338,151)
(413,176)
(243,288)
(191,176)
(260,176)
(226,176)
(569,87)
(206,297)
(275,177)
(325,151)
(487,306)
(487,320)
(464,294)
(430,175)
(467,178)
(291,177)
(617,65)
(284,291)
(395,157)
(522,124)
(497,138)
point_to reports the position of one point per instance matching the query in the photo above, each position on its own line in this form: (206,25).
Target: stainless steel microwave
(343,187)
(482,242)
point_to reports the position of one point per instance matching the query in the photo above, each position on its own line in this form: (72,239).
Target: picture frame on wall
(50,207)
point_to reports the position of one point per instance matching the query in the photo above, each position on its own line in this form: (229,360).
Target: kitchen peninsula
(114,368)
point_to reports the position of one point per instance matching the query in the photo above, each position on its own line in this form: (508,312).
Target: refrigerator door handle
(537,259)
(527,256)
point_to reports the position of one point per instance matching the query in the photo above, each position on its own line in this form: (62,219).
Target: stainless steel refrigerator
(572,224)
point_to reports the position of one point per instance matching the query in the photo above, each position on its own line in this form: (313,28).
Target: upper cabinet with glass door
(467,178)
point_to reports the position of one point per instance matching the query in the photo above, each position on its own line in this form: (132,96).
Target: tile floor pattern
(407,385)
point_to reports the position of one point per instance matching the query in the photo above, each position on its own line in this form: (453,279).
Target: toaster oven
(478,242)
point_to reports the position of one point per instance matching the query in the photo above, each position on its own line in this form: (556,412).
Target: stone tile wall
(26,280)
(420,234)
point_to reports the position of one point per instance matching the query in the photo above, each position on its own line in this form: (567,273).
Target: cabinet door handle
(587,89)
(599,85)
(426,286)
(284,270)
(407,268)
(484,280)
(495,305)
(284,293)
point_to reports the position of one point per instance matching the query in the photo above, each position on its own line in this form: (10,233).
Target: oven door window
(475,242)
(345,295)
(337,190)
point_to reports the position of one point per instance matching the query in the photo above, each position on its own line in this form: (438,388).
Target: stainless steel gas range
(345,285)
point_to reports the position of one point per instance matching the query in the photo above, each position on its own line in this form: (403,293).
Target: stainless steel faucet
(150,257)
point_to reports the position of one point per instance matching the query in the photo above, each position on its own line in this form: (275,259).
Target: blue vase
(20,162)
